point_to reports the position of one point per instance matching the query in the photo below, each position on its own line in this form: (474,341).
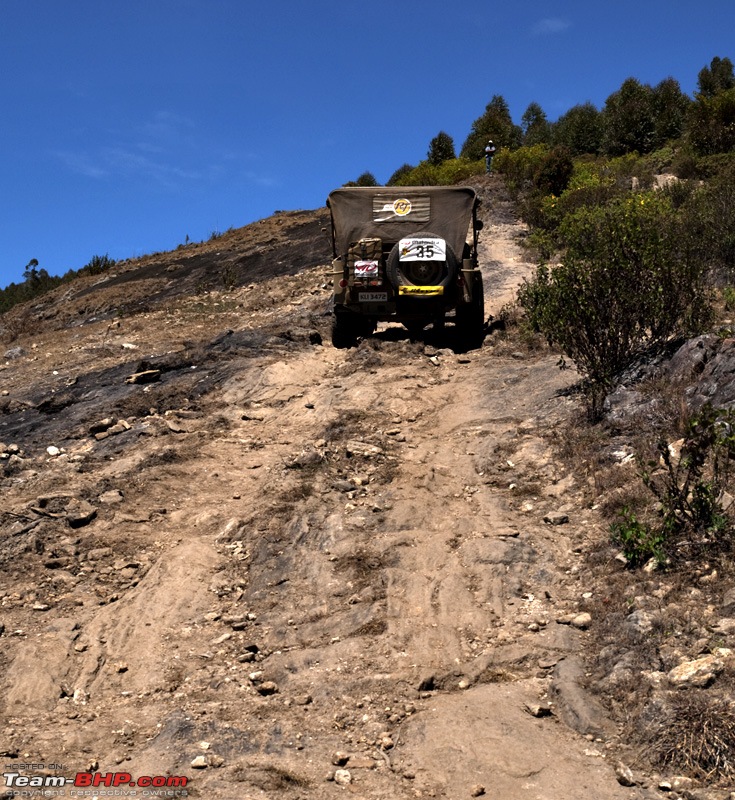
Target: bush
(553,174)
(712,123)
(97,265)
(631,280)
(448,173)
(699,737)
(690,487)
(591,183)
(711,216)
(638,541)
(518,167)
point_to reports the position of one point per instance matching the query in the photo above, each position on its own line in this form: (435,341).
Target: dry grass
(270,778)
(18,322)
(689,732)
(698,739)
(511,332)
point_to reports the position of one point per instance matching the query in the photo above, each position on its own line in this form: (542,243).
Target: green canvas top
(394,213)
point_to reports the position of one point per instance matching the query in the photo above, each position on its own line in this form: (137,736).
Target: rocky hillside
(239,563)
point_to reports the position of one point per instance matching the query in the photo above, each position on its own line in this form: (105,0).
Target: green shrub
(637,540)
(631,280)
(711,217)
(448,173)
(712,123)
(457,170)
(549,186)
(659,161)
(518,167)
(553,173)
(690,486)
(689,483)
(97,265)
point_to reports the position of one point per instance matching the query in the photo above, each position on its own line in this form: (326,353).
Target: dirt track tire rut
(337,561)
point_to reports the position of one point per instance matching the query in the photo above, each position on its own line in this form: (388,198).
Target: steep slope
(237,555)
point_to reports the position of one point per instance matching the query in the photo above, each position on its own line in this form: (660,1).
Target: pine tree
(495,124)
(580,130)
(716,78)
(629,119)
(536,129)
(441,149)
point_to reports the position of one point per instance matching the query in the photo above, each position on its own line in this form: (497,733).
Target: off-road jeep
(407,255)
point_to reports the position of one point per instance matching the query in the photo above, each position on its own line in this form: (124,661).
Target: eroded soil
(285,570)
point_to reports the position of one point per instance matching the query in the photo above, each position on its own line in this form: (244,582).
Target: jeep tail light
(342,283)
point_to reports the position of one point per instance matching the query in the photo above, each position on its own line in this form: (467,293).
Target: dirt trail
(332,578)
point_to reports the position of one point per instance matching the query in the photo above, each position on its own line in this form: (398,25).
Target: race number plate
(422,249)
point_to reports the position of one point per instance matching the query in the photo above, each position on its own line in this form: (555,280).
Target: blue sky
(129,126)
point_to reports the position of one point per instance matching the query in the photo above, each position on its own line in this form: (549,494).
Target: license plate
(373,297)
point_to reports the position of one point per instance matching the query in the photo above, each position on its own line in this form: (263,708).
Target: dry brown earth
(284,570)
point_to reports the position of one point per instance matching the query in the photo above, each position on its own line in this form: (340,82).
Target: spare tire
(422,273)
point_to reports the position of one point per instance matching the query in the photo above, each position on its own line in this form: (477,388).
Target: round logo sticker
(401,207)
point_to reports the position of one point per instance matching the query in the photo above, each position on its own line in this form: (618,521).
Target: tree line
(37,281)
(637,118)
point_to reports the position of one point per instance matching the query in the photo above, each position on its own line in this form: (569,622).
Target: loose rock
(699,673)
(342,777)
(556,518)
(581,621)
(624,775)
(538,709)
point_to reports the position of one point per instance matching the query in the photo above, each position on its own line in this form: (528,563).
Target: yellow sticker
(401,207)
(421,291)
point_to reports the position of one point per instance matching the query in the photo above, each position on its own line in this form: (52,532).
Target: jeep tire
(425,273)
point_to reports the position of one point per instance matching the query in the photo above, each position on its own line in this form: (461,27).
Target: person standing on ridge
(489,153)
